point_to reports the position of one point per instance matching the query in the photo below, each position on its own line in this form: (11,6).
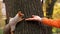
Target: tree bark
(28,7)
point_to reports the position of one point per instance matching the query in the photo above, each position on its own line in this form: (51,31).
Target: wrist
(39,19)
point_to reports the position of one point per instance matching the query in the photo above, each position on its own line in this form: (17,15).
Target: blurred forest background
(56,15)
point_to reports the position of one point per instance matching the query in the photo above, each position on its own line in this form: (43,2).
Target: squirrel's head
(20,14)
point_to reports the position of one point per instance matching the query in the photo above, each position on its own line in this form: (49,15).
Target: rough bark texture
(28,7)
(49,12)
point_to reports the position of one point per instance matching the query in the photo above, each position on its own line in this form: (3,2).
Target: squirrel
(12,23)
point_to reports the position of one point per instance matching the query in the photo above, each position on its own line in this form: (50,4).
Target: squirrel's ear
(10,17)
(20,13)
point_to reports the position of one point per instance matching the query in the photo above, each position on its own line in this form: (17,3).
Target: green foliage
(1,31)
(56,13)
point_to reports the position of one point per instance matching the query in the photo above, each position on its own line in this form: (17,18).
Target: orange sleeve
(50,22)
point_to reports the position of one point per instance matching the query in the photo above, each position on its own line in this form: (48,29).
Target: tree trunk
(28,7)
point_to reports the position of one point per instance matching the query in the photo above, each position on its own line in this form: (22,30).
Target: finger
(29,19)
(32,15)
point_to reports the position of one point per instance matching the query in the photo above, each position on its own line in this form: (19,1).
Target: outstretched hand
(34,18)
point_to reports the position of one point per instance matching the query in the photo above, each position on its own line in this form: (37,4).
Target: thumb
(33,15)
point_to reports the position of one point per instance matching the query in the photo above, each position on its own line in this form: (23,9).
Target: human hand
(34,18)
